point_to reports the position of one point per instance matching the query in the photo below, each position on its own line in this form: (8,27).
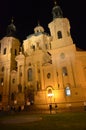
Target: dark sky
(26,14)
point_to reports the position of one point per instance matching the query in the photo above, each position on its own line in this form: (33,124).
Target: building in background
(46,69)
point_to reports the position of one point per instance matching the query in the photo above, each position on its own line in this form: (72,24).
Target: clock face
(62,55)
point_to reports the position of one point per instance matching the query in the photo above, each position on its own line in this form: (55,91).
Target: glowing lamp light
(15,102)
(2,83)
(50,94)
(68,92)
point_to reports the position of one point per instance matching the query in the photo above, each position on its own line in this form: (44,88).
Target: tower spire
(11,29)
(55,2)
(56,11)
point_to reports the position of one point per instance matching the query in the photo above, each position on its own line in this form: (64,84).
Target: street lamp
(50,95)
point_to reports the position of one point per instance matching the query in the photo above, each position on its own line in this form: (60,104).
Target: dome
(38,29)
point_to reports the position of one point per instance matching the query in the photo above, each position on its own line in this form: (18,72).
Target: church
(47,69)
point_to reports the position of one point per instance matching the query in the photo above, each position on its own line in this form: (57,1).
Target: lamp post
(50,95)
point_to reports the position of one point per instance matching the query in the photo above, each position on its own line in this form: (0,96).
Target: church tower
(59,29)
(9,46)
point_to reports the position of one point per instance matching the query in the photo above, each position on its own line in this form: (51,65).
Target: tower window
(59,34)
(64,71)
(15,52)
(30,74)
(4,51)
(13,81)
(33,47)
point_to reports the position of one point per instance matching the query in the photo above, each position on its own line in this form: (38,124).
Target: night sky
(27,13)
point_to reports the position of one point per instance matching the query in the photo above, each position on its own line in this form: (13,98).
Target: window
(12,96)
(13,81)
(68,91)
(33,47)
(29,74)
(20,74)
(29,64)
(2,81)
(50,93)
(48,75)
(38,85)
(46,45)
(19,88)
(4,51)
(59,34)
(2,69)
(0,97)
(20,70)
(15,52)
(64,71)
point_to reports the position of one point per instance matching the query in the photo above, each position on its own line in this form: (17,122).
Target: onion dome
(56,11)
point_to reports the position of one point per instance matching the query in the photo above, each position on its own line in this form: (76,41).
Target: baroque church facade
(46,69)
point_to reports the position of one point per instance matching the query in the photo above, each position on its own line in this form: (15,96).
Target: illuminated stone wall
(47,70)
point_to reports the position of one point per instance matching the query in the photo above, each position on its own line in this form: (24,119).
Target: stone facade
(47,69)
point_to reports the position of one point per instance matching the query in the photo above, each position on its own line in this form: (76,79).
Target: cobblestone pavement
(22,119)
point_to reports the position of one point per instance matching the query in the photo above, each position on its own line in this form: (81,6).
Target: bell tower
(59,28)
(9,50)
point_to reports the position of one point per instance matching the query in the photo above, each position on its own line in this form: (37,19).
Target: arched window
(4,51)
(12,96)
(50,94)
(68,91)
(13,80)
(15,52)
(64,71)
(19,88)
(59,34)
(30,74)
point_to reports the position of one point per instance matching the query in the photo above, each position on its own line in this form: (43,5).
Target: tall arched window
(4,52)
(64,71)
(30,74)
(59,34)
(15,52)
(68,91)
